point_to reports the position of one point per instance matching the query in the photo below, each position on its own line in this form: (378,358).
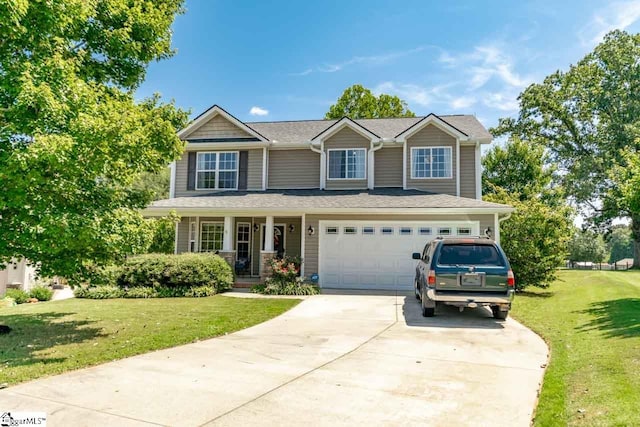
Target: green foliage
(187,270)
(295,286)
(358,102)
(284,279)
(98,292)
(41,293)
(155,184)
(18,295)
(164,234)
(587,246)
(73,138)
(519,168)
(534,239)
(620,244)
(141,292)
(587,117)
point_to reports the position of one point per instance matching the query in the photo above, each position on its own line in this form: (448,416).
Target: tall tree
(358,102)
(587,246)
(620,243)
(520,168)
(585,116)
(73,139)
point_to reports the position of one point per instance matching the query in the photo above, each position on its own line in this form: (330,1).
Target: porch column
(496,228)
(227,251)
(268,253)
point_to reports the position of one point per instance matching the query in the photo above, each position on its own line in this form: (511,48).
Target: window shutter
(242,170)
(191,171)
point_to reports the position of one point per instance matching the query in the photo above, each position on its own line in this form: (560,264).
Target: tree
(518,168)
(586,117)
(156,184)
(358,102)
(587,246)
(73,139)
(534,238)
(620,244)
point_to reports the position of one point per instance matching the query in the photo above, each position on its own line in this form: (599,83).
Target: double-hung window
(211,235)
(217,171)
(347,164)
(431,162)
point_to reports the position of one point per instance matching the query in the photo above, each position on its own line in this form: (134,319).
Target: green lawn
(591,320)
(58,336)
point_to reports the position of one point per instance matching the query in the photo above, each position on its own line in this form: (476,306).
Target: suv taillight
(432,277)
(511,280)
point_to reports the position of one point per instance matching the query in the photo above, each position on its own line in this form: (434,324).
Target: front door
(278,239)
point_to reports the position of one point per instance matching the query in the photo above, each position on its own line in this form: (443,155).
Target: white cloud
(618,15)
(378,59)
(416,94)
(462,102)
(503,101)
(258,111)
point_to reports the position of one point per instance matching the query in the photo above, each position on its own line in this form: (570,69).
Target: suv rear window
(470,254)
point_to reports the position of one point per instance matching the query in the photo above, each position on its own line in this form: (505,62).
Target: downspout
(371,166)
(497,225)
(322,161)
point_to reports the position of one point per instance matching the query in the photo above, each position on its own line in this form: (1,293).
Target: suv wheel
(416,290)
(499,314)
(427,311)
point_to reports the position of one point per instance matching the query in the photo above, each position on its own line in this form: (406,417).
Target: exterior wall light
(292,228)
(311,230)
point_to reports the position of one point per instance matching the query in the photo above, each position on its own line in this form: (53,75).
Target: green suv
(464,272)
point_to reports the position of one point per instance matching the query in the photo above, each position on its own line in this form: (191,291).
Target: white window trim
(413,149)
(200,234)
(347,149)
(217,170)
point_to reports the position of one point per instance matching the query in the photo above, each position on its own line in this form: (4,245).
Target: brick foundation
(265,266)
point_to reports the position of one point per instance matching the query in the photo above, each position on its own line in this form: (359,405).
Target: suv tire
(499,314)
(427,311)
(416,290)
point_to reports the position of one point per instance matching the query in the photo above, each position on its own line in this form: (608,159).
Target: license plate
(471,280)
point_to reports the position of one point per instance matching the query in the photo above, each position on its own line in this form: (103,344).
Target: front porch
(246,243)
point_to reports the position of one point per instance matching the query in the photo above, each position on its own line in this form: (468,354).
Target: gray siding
(346,138)
(183,235)
(432,136)
(254,170)
(254,174)
(468,171)
(312,242)
(388,167)
(293,169)
(219,127)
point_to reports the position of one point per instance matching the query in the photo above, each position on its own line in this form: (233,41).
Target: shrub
(200,291)
(99,292)
(18,295)
(285,269)
(175,271)
(141,292)
(41,293)
(296,286)
(106,275)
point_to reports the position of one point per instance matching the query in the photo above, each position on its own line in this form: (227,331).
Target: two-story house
(352,198)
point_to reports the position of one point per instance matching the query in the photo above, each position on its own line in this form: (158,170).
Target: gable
(219,127)
(347,138)
(431,135)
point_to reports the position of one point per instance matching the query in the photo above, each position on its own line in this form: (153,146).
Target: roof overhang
(432,119)
(258,211)
(211,113)
(341,124)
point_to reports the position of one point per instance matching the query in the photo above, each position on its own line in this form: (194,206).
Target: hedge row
(160,275)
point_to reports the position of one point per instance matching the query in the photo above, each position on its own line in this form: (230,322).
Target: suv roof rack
(462,237)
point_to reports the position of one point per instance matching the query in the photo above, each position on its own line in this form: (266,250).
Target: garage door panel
(375,261)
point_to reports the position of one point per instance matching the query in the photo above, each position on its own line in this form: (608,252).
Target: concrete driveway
(332,360)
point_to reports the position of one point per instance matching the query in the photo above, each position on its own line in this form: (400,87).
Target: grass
(591,321)
(58,336)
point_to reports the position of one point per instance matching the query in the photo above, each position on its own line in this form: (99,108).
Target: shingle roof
(305,130)
(323,199)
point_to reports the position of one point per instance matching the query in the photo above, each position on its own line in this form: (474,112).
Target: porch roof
(396,201)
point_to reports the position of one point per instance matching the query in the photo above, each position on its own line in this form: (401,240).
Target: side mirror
(416,255)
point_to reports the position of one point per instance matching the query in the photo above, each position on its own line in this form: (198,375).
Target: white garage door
(366,255)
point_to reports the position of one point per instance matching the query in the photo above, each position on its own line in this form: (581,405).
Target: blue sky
(289,60)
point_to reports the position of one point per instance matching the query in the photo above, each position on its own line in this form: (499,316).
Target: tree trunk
(635,235)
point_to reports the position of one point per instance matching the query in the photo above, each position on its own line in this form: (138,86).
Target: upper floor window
(217,170)
(347,164)
(431,162)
